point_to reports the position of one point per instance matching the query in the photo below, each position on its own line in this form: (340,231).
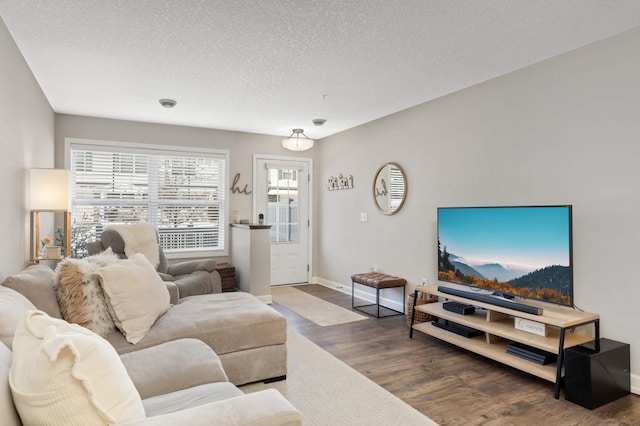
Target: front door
(282,196)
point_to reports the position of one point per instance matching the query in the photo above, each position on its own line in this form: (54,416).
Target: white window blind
(182,194)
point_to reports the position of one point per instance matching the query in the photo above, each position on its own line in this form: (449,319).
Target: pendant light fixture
(297,141)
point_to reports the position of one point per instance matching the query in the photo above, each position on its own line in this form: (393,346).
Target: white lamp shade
(49,189)
(297,143)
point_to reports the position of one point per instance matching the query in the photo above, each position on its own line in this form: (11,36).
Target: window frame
(157,149)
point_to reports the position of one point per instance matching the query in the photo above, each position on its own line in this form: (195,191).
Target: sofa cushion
(8,412)
(36,283)
(80,294)
(198,282)
(190,266)
(265,408)
(189,362)
(66,374)
(13,307)
(226,322)
(190,397)
(135,294)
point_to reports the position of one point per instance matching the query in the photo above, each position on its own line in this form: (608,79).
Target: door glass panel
(282,212)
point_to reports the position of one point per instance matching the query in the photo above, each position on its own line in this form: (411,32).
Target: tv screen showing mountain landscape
(521,251)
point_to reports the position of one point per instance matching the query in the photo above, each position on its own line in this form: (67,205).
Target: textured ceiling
(267,66)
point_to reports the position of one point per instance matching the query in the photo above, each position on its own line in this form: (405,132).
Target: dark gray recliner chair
(191,277)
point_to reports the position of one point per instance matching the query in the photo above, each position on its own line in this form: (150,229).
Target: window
(182,192)
(283,209)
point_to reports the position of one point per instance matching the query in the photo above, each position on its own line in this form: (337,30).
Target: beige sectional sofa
(186,367)
(248,335)
(179,389)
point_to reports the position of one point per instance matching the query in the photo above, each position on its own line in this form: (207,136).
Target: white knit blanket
(139,238)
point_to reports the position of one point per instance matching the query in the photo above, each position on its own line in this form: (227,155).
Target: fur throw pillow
(80,294)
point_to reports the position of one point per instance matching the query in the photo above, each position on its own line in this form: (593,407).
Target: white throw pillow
(65,374)
(136,295)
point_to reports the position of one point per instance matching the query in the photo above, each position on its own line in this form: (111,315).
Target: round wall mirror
(390,188)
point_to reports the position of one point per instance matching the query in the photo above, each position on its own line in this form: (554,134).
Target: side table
(228,276)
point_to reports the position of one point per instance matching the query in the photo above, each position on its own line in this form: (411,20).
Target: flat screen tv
(513,251)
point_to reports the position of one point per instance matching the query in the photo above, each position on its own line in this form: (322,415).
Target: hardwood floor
(450,385)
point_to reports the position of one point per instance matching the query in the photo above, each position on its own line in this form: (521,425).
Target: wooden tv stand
(498,326)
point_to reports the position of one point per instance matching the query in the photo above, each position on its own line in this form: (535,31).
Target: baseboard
(362,294)
(635,384)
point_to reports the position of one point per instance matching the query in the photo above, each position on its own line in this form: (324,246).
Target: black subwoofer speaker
(594,378)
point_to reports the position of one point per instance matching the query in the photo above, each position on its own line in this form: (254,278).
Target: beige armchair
(190,277)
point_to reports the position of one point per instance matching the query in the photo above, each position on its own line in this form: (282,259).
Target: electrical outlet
(424,281)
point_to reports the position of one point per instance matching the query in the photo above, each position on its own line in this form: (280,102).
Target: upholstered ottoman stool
(378,281)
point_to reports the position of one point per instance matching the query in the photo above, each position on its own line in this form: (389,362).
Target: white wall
(241,146)
(26,140)
(565,131)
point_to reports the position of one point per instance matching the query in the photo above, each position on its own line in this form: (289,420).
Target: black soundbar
(456,328)
(487,298)
(458,308)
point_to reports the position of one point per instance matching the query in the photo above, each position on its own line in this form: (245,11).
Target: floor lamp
(49,194)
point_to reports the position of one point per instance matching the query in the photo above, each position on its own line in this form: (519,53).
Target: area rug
(328,392)
(313,308)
